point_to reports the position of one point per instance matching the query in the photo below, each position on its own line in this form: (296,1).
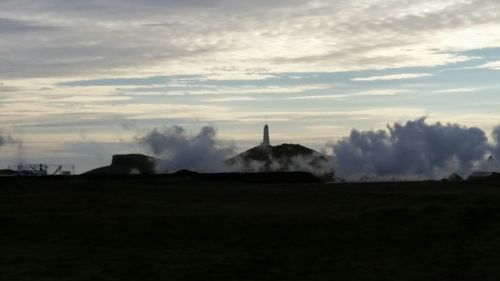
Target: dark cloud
(203,152)
(411,150)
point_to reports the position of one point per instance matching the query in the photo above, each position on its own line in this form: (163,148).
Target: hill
(282,158)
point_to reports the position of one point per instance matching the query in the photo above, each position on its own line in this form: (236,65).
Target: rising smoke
(496,138)
(414,150)
(203,152)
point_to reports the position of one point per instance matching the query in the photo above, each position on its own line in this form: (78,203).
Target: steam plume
(411,150)
(177,150)
(496,138)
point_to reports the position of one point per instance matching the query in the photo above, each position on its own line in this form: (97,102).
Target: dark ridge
(140,161)
(8,172)
(186,173)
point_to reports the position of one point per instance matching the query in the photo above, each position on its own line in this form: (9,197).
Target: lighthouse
(266,140)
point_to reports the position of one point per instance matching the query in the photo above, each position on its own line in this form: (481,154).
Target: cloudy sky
(81,80)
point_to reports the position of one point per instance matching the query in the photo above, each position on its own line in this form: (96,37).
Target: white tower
(266,140)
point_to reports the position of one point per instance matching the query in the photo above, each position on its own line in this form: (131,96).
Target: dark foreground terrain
(165,229)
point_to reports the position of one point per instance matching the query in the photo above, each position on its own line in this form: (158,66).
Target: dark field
(158,229)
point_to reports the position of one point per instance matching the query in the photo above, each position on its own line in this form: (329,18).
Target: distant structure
(26,169)
(266,140)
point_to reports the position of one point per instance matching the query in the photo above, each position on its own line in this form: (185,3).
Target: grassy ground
(166,230)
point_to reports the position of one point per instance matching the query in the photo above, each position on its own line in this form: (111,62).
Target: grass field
(140,229)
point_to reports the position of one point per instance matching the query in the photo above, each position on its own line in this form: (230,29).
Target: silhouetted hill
(267,152)
(284,157)
(8,172)
(127,164)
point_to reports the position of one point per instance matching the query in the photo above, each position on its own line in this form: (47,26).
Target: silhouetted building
(266,140)
(127,164)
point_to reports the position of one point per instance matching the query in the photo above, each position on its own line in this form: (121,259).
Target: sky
(82,80)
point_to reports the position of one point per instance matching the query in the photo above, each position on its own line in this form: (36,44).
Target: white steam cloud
(414,150)
(203,152)
(496,138)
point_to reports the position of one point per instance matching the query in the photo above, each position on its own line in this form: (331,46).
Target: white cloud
(493,65)
(377,92)
(319,97)
(92,99)
(208,90)
(230,40)
(380,92)
(231,99)
(458,90)
(402,76)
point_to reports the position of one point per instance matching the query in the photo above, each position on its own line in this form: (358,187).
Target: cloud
(92,99)
(177,150)
(414,149)
(231,99)
(370,93)
(402,76)
(6,140)
(492,65)
(496,148)
(458,90)
(15,26)
(320,97)
(7,89)
(227,39)
(202,89)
